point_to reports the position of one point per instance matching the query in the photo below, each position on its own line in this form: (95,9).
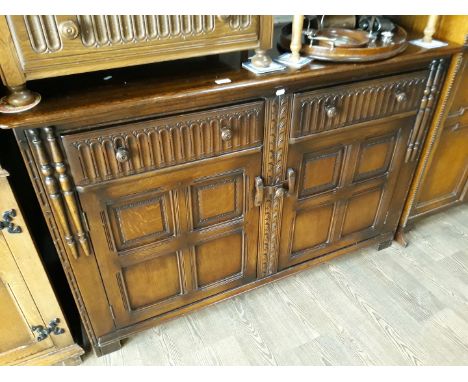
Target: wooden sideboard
(28,304)
(165,191)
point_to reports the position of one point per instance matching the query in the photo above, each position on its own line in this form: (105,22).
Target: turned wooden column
(430,28)
(296,37)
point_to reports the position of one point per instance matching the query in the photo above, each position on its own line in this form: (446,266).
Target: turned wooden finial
(430,28)
(296,37)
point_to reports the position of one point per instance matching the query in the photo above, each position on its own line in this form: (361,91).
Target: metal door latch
(267,192)
(7,222)
(43,333)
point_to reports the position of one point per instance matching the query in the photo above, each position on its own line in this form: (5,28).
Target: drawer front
(336,107)
(58,41)
(97,156)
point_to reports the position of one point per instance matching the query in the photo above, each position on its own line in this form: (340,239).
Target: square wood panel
(139,219)
(150,282)
(219,259)
(217,200)
(361,211)
(320,171)
(375,156)
(312,227)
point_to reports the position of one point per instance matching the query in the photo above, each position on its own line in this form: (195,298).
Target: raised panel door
(168,238)
(345,182)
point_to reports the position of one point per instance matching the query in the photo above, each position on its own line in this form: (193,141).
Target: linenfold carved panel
(99,30)
(108,30)
(337,107)
(162,142)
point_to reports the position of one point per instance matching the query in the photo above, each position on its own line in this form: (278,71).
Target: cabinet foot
(384,244)
(261,59)
(107,348)
(74,361)
(20,99)
(400,238)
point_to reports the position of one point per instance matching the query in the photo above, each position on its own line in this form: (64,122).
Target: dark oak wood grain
(166,192)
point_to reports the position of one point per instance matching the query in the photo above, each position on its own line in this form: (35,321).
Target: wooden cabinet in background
(26,297)
(441,178)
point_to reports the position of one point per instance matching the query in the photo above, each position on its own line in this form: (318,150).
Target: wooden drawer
(94,156)
(339,106)
(56,45)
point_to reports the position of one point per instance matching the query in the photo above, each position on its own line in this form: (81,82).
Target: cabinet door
(167,239)
(26,296)
(446,180)
(345,181)
(18,312)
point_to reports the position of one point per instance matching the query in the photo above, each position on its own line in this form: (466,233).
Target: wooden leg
(384,244)
(107,348)
(19,99)
(401,239)
(261,59)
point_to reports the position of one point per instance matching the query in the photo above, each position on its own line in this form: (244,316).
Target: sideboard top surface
(184,85)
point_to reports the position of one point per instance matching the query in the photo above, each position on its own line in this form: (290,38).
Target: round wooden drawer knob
(223,18)
(69,30)
(122,155)
(401,97)
(331,111)
(226,134)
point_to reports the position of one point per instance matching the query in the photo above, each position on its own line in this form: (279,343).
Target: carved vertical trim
(425,109)
(438,68)
(67,189)
(56,237)
(52,189)
(274,167)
